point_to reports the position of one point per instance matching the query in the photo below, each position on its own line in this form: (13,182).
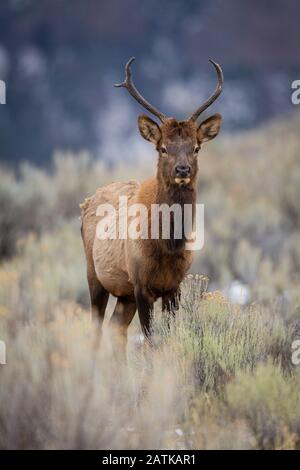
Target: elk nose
(183,171)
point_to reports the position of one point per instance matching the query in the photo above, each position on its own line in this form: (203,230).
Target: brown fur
(140,271)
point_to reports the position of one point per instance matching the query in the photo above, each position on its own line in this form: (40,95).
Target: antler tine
(128,83)
(215,94)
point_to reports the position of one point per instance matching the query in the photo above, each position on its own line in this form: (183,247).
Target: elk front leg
(170,304)
(144,303)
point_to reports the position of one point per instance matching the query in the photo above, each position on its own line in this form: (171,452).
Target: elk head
(177,142)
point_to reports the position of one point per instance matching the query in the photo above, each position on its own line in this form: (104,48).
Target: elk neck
(174,194)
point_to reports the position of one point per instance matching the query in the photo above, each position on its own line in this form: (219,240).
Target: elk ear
(209,128)
(149,129)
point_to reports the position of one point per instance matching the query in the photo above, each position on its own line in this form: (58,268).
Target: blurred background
(66,130)
(60,59)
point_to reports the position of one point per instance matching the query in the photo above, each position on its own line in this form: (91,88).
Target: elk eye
(196,149)
(164,150)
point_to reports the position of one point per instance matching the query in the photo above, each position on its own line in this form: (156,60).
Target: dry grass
(210,382)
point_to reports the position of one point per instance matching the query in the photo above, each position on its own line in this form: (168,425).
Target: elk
(139,271)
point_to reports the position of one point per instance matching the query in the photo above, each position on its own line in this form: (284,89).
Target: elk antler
(215,94)
(128,83)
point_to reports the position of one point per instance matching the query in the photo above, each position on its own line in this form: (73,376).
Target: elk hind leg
(99,298)
(120,320)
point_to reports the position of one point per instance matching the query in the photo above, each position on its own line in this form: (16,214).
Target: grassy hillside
(250,185)
(221,377)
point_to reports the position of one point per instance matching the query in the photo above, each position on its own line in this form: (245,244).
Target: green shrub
(269,401)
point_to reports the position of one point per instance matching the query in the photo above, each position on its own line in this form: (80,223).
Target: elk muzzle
(182,174)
